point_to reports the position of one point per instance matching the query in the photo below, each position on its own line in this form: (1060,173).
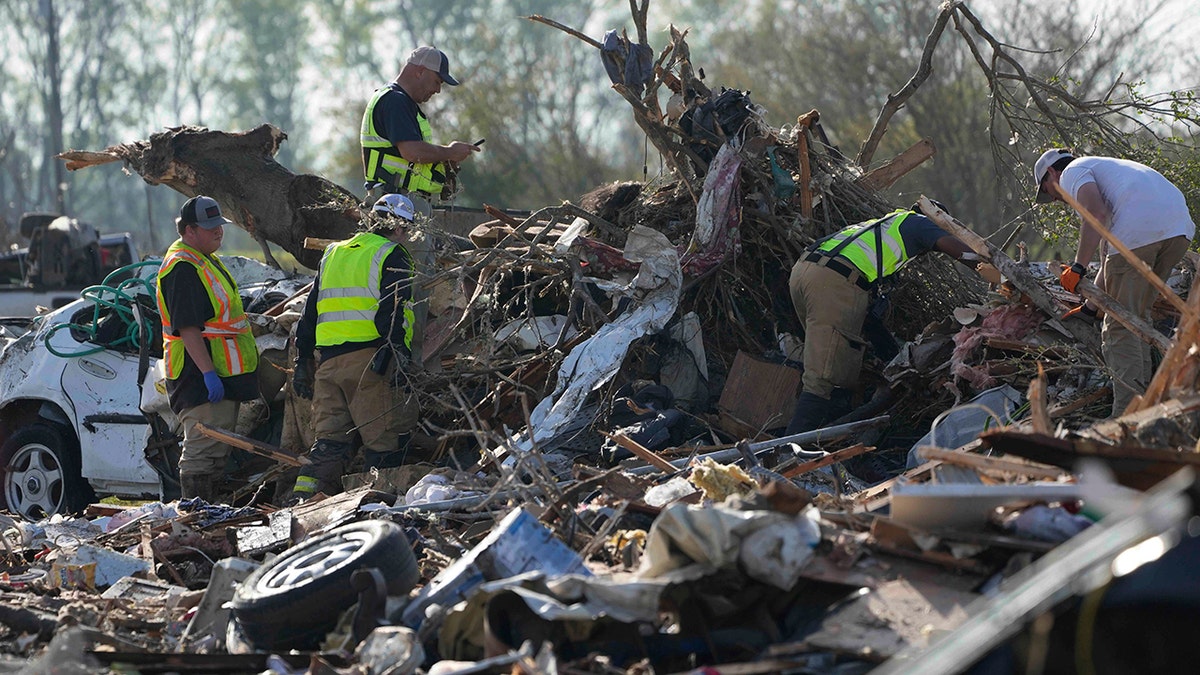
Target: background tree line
(84,75)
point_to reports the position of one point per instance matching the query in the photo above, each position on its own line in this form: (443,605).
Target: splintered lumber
(831,458)
(1134,466)
(894,169)
(803,124)
(250,445)
(641,452)
(1016,272)
(1117,428)
(1039,415)
(1175,357)
(991,464)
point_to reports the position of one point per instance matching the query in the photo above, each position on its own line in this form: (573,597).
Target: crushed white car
(83,413)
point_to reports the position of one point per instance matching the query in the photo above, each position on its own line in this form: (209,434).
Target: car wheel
(294,600)
(41,473)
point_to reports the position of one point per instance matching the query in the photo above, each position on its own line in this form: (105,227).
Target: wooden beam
(250,445)
(894,169)
(1017,273)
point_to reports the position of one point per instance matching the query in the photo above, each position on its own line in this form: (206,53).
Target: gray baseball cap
(204,212)
(435,60)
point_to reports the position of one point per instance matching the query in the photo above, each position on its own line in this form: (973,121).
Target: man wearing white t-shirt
(1150,216)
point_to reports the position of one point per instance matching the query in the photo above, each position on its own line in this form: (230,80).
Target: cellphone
(479,142)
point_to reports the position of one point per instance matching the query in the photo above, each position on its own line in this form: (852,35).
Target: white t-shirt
(1146,207)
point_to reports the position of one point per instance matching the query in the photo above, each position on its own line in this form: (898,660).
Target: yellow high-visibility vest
(871,238)
(348,293)
(382,163)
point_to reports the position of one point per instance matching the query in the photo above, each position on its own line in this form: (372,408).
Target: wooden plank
(992,464)
(894,169)
(831,458)
(1050,352)
(641,452)
(250,445)
(1136,325)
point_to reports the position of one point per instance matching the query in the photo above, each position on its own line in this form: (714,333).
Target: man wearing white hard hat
(359,318)
(1148,214)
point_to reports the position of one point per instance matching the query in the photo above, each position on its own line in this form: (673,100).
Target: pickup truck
(63,257)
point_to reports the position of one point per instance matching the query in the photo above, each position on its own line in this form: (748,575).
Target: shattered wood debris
(604,391)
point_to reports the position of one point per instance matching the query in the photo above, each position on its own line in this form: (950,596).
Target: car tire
(294,600)
(41,473)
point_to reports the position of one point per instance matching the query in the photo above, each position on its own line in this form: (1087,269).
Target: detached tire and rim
(294,600)
(41,473)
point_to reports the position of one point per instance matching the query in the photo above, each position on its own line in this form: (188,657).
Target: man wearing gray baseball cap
(398,155)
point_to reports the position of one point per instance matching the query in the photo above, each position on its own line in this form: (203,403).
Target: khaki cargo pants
(1126,356)
(833,311)
(349,398)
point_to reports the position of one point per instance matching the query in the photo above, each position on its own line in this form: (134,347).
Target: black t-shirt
(397,274)
(187,302)
(395,116)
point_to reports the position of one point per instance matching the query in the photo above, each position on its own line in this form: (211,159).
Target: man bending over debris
(208,349)
(397,153)
(832,285)
(359,316)
(1148,214)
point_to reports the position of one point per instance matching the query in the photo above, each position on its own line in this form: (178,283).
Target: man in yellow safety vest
(208,349)
(398,155)
(359,318)
(831,287)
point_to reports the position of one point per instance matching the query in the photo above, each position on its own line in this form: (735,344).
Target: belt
(839,265)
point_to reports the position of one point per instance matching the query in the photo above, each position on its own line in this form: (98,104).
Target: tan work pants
(832,310)
(1127,357)
(203,455)
(348,397)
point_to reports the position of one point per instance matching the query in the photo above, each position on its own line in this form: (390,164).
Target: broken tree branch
(896,101)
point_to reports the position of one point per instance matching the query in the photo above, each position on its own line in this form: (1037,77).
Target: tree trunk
(240,172)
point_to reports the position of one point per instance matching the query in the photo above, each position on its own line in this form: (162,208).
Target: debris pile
(603,389)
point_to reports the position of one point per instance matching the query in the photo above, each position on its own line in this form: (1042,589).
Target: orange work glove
(1083,311)
(1070,276)
(989,272)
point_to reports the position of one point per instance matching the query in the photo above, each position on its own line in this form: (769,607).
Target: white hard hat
(395,205)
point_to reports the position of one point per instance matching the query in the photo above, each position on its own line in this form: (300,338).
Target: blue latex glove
(216,390)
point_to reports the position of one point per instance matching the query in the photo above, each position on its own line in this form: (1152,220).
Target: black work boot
(811,412)
(327,461)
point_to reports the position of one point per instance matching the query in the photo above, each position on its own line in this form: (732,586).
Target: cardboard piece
(760,394)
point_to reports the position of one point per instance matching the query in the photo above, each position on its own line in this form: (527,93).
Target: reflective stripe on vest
(348,295)
(382,163)
(863,249)
(227,334)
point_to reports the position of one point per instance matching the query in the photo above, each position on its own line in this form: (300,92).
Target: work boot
(811,412)
(196,485)
(324,472)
